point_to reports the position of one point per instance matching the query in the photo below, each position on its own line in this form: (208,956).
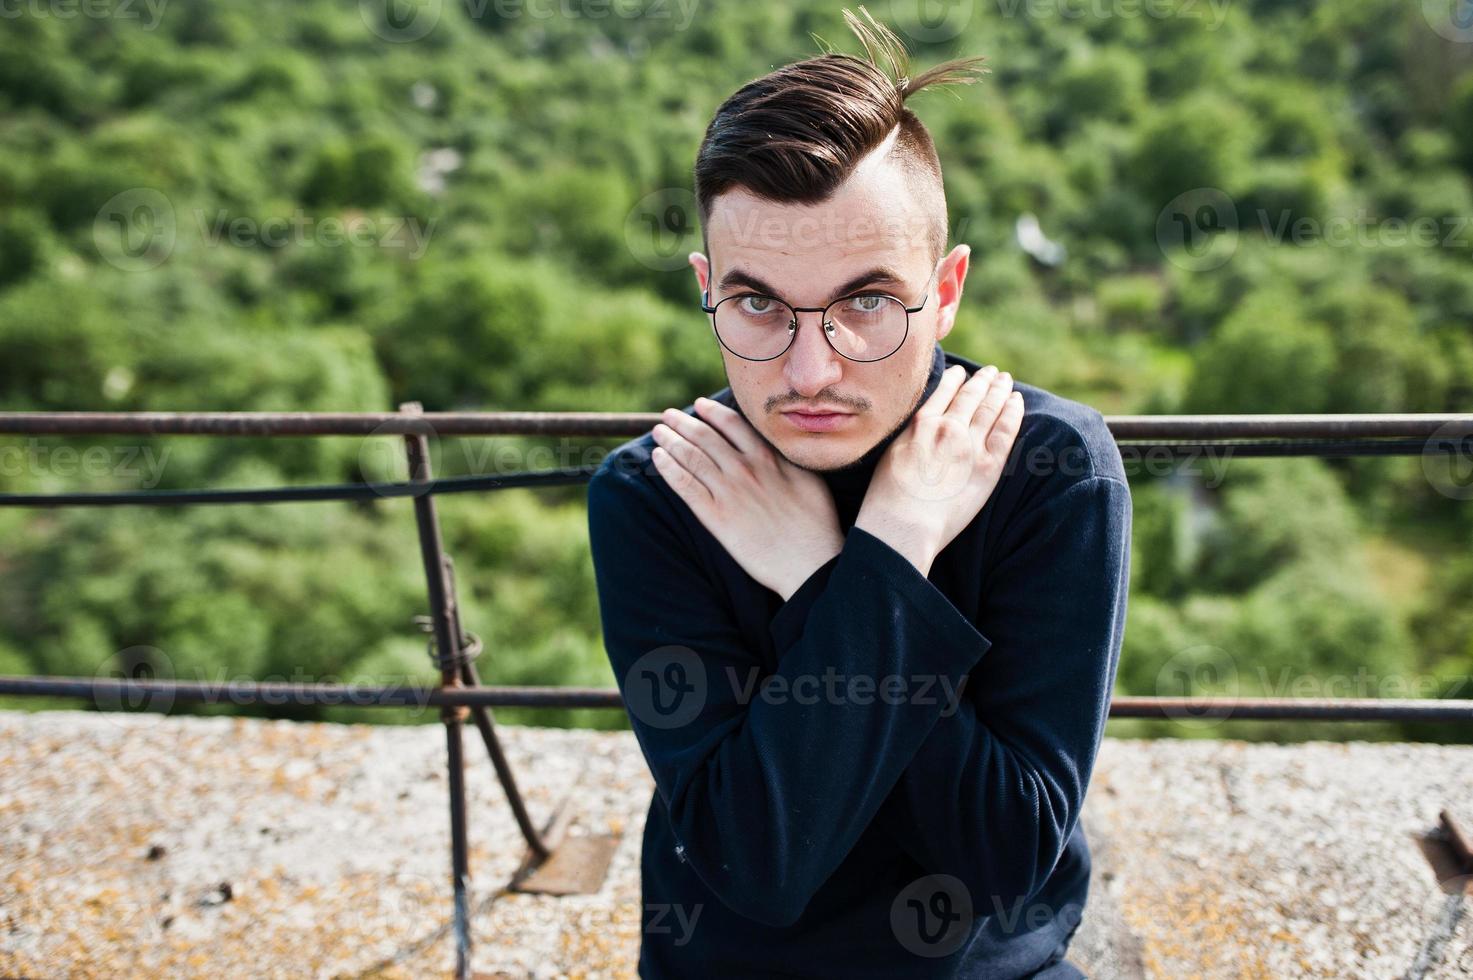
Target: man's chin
(821,459)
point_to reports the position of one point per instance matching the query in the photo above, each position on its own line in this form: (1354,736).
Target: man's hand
(776,520)
(933,480)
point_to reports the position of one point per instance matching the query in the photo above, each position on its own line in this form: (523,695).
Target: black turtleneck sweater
(882,776)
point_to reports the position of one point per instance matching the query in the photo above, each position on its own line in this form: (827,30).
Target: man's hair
(796,134)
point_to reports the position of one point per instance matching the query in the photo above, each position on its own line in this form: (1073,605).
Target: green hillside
(332,205)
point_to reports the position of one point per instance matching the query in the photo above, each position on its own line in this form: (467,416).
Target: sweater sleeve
(994,792)
(769,780)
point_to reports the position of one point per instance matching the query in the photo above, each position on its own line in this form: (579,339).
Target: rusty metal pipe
(1137,427)
(117,690)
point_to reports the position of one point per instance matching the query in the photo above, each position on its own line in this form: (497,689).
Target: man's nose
(811,363)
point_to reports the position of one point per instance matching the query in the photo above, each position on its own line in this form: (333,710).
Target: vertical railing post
(487,726)
(447,647)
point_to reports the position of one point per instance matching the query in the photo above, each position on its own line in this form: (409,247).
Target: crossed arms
(767,796)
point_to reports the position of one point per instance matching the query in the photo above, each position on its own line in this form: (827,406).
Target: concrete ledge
(140,845)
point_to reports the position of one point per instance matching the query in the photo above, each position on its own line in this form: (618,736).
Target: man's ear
(951,272)
(702,265)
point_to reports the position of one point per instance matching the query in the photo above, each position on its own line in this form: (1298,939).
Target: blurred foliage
(314,205)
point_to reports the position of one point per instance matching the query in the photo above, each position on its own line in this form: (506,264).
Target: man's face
(870,235)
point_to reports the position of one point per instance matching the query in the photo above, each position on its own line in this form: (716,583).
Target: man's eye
(868,303)
(756,305)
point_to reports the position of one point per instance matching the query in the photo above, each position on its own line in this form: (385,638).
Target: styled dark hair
(796,134)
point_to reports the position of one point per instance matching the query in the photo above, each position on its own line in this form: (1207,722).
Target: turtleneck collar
(849,484)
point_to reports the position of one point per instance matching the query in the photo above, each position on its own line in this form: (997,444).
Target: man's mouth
(810,421)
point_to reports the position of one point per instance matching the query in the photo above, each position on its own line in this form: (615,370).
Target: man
(864,604)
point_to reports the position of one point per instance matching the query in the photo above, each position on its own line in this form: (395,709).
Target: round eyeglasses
(866,326)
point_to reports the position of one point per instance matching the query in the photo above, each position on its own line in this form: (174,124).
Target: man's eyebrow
(878,276)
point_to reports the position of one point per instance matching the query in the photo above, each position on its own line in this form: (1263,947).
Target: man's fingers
(940,400)
(697,432)
(729,422)
(692,458)
(691,490)
(1005,430)
(992,401)
(969,396)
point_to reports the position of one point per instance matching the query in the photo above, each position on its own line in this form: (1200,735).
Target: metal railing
(460,694)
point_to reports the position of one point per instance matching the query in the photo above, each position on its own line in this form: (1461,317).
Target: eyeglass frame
(825,321)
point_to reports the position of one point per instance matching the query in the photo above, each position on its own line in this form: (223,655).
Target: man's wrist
(805,567)
(909,542)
